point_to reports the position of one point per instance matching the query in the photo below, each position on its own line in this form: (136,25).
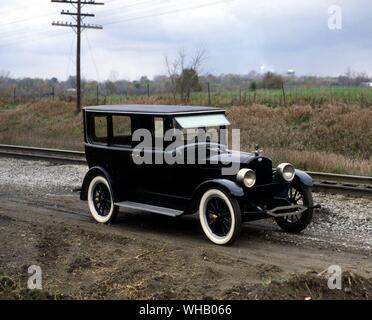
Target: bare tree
(172,68)
(4,74)
(184,73)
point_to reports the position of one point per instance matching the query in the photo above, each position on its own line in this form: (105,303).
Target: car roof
(154,109)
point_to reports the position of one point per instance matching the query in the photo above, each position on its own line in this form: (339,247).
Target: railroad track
(32,153)
(342,184)
(324,182)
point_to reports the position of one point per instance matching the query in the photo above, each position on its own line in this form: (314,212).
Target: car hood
(233,157)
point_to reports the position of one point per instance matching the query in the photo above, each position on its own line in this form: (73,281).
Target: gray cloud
(239,35)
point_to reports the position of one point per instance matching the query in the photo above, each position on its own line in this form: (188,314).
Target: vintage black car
(120,178)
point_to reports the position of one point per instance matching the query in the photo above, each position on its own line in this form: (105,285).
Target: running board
(149,208)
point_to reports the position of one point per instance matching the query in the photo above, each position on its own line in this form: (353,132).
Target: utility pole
(78,26)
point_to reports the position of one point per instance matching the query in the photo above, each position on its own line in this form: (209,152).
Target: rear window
(99,132)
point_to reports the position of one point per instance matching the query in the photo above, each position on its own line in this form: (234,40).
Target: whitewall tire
(220,217)
(101,202)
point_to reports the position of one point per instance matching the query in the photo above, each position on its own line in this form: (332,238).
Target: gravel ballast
(40,175)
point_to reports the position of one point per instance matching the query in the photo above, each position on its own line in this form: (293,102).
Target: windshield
(205,128)
(203,121)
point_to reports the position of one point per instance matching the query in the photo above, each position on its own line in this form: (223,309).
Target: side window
(121,130)
(159,133)
(99,132)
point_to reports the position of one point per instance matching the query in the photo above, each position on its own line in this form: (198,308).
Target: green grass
(273,98)
(294,95)
(8,106)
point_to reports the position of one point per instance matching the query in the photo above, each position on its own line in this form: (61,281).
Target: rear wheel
(300,195)
(100,200)
(220,217)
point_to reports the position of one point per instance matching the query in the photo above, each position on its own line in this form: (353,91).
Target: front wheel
(220,217)
(100,200)
(298,194)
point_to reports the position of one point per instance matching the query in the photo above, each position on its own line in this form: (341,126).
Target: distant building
(291,73)
(366,84)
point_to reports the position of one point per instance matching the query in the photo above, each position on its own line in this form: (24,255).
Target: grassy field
(332,138)
(273,98)
(293,95)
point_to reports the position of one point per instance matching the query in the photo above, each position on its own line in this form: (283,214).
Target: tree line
(184,76)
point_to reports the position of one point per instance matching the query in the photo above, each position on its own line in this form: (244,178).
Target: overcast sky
(239,35)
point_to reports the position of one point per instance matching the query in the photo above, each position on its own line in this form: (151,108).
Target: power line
(11,33)
(25,20)
(79,26)
(27,39)
(128,6)
(92,57)
(142,7)
(170,12)
(22,30)
(70,57)
(18,33)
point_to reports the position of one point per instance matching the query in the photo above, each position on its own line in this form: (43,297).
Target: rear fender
(92,173)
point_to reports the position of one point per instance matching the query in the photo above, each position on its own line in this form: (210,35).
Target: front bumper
(271,201)
(290,210)
(277,212)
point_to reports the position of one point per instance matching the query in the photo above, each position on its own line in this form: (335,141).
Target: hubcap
(218,216)
(102,199)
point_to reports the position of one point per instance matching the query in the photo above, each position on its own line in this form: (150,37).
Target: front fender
(231,187)
(304,178)
(92,173)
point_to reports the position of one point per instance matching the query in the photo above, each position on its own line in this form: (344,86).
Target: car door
(120,153)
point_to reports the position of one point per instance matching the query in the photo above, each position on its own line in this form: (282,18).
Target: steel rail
(34,153)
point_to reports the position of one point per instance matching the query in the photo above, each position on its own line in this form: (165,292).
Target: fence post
(240,94)
(53,93)
(284,97)
(209,93)
(148,90)
(97,94)
(14,94)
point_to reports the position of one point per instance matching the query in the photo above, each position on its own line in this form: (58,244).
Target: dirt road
(154,257)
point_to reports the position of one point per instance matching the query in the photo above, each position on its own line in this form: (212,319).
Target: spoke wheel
(298,195)
(100,201)
(220,217)
(295,196)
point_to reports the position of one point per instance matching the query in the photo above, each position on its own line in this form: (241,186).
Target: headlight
(287,171)
(247,177)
